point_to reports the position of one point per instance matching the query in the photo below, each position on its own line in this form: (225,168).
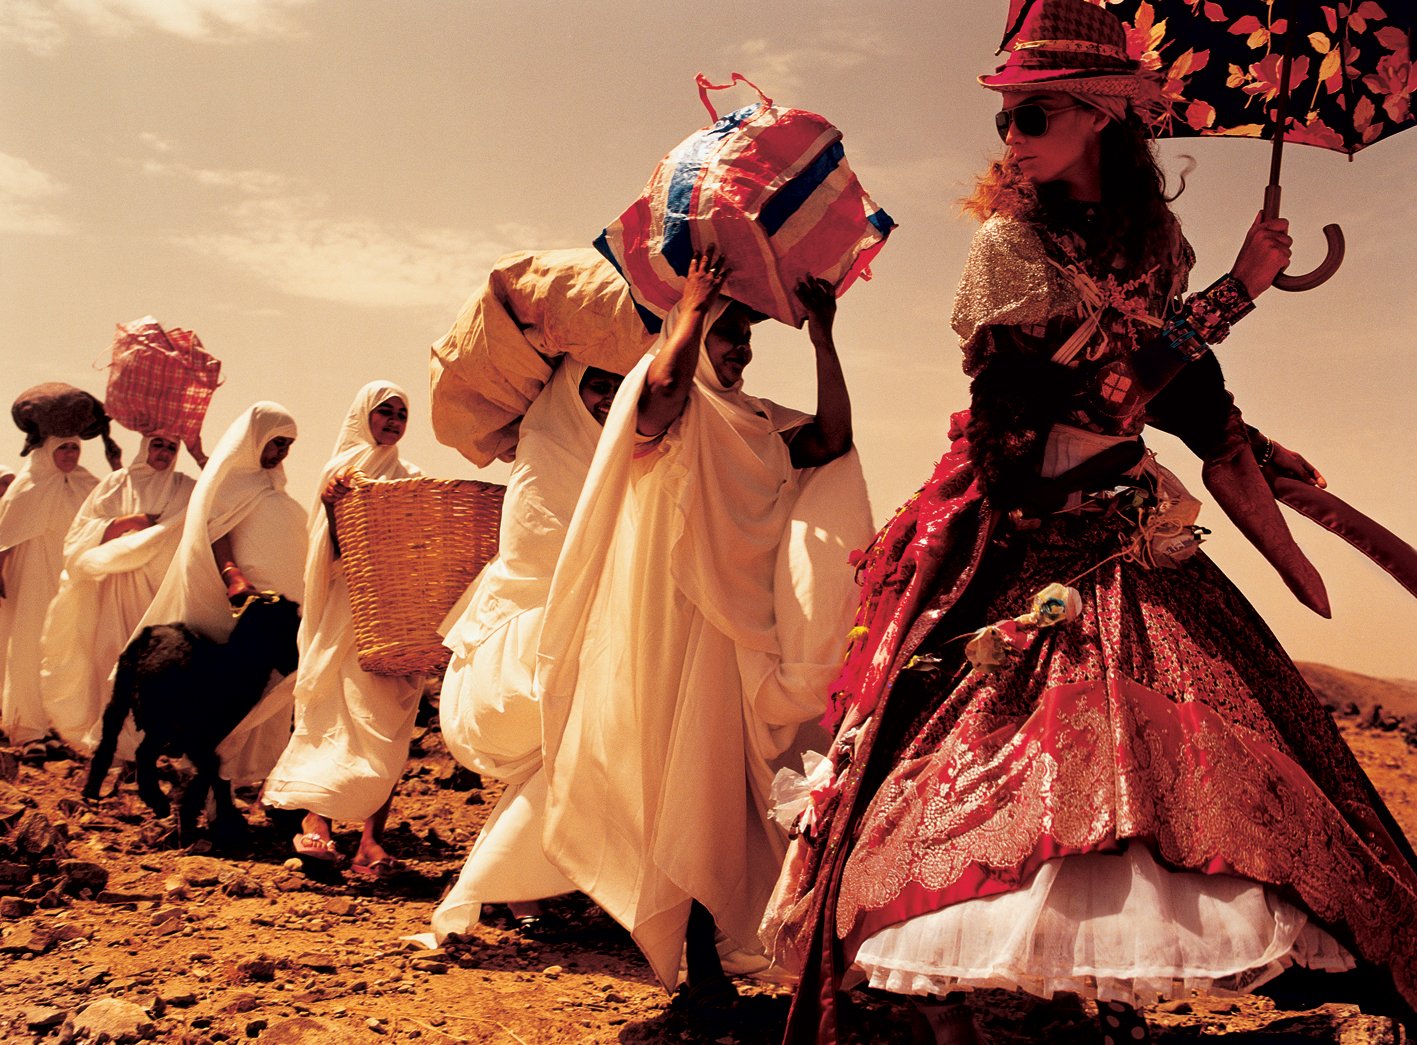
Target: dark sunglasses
(1029,119)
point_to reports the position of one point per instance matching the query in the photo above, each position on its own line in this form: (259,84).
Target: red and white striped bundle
(770,189)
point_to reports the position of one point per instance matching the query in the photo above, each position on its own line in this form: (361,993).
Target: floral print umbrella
(1221,63)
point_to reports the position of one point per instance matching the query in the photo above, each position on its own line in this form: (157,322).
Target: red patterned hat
(1068,45)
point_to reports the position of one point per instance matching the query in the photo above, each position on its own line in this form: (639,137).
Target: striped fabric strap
(1077,46)
(734,78)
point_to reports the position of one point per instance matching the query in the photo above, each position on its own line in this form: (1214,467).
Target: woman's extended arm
(828,435)
(237,586)
(671,373)
(128,524)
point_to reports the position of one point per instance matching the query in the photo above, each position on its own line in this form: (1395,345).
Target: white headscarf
(232,484)
(137,488)
(42,499)
(355,448)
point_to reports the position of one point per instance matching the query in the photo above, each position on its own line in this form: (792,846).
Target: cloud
(832,50)
(250,182)
(41,28)
(24,192)
(295,247)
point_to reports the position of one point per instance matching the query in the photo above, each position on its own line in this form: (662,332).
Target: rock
(342,906)
(302,1030)
(254,1027)
(257,970)
(15,907)
(9,767)
(37,837)
(320,961)
(238,885)
(552,972)
(201,872)
(1180,1007)
(33,939)
(290,884)
(242,1001)
(123,896)
(82,875)
(43,1018)
(178,998)
(174,887)
(168,921)
(121,1021)
(13,874)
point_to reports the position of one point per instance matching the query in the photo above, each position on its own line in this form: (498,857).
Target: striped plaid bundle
(160,380)
(771,190)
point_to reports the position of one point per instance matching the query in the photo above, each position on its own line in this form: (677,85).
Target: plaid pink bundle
(160,380)
(770,188)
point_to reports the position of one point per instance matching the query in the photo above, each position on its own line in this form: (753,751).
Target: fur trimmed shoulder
(1007,281)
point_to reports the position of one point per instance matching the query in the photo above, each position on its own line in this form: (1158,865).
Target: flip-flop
(314,847)
(382,868)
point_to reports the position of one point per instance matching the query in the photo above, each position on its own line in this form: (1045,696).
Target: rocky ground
(108,926)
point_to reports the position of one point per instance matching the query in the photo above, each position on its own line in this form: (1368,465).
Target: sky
(316,187)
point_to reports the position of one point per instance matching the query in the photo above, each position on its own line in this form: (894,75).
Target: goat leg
(148,787)
(113,718)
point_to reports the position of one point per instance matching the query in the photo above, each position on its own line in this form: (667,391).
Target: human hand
(1292,464)
(818,296)
(1264,254)
(703,281)
(194,447)
(337,489)
(151,518)
(238,588)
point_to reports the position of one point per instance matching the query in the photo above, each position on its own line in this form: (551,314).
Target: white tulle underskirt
(1114,926)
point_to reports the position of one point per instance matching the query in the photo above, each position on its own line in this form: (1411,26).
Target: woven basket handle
(737,78)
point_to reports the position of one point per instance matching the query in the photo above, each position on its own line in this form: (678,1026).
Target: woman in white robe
(243,533)
(352,729)
(35,514)
(488,714)
(115,556)
(699,610)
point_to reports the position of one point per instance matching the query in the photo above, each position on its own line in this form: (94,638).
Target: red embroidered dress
(1141,800)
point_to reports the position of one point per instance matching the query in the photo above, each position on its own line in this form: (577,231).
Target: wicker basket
(411,547)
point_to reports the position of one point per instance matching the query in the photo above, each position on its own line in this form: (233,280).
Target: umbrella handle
(1332,233)
(1326,268)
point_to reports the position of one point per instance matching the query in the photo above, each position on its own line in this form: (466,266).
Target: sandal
(314,847)
(383,868)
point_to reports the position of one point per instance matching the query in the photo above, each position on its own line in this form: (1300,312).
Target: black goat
(186,693)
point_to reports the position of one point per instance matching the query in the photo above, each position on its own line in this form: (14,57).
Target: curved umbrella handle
(1326,268)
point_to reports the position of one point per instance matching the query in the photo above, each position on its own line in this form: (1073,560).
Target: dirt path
(102,917)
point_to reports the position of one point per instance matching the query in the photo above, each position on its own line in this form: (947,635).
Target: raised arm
(671,372)
(828,435)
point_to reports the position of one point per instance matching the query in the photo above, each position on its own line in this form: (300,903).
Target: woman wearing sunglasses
(1071,757)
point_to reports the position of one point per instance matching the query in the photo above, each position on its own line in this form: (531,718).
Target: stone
(241,1001)
(201,872)
(82,875)
(16,907)
(552,972)
(302,1030)
(320,961)
(36,836)
(257,970)
(32,939)
(341,906)
(239,885)
(13,874)
(9,767)
(121,1021)
(42,1018)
